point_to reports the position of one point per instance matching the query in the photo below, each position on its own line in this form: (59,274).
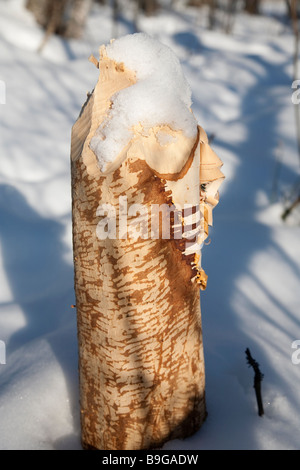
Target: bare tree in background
(252,6)
(38,8)
(212,13)
(76,19)
(212,7)
(64,17)
(231,12)
(293,11)
(148,6)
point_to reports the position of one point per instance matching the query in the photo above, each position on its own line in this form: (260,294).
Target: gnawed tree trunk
(141,364)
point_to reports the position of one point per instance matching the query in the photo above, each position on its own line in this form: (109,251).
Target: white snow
(241,88)
(161,95)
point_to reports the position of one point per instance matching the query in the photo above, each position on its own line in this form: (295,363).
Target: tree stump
(141,364)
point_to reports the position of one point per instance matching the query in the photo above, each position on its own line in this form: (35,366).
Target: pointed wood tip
(94,61)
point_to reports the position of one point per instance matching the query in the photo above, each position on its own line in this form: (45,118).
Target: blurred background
(240,58)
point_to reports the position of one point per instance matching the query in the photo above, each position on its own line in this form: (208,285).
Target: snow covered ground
(241,85)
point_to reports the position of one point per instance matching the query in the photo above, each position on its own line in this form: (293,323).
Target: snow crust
(160,96)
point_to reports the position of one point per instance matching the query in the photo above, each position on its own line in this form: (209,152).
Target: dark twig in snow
(289,209)
(258,376)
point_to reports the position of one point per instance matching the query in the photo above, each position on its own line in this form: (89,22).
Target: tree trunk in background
(79,10)
(39,8)
(231,11)
(148,6)
(212,14)
(196,3)
(252,6)
(64,17)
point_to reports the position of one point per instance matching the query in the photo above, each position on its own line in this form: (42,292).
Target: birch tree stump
(141,364)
